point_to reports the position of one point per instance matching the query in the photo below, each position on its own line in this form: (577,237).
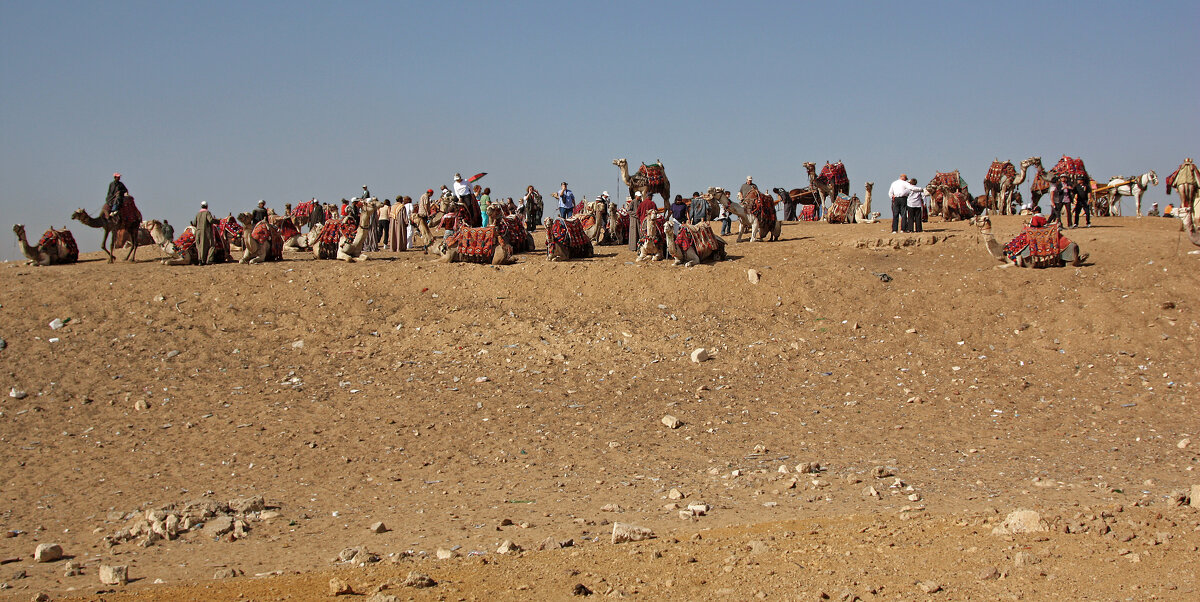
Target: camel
(864,215)
(953,204)
(825,189)
(128,220)
(344,240)
(653,244)
(1068,251)
(760,211)
(1186,182)
(478,245)
(733,208)
(512,230)
(690,245)
(642,180)
(261,242)
(55,247)
(1118,187)
(998,185)
(566,239)
(183,250)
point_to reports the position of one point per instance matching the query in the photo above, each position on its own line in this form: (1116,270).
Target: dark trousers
(1058,211)
(381,231)
(899,215)
(634,232)
(1086,207)
(914,219)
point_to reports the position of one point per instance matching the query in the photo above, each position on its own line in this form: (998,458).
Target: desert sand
(849,437)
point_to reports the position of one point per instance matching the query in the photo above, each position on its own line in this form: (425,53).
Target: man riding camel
(116,194)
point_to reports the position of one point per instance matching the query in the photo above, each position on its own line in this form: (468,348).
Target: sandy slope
(1064,391)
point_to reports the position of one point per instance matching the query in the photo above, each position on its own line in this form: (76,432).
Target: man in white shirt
(899,191)
(916,207)
(470,208)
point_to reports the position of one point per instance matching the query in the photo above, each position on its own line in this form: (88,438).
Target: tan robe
(398,228)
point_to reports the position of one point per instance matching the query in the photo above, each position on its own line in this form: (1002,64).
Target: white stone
(1021,521)
(753,275)
(1183,443)
(675,494)
(114,574)
(623,532)
(1195,496)
(699,355)
(698,509)
(444,554)
(671,422)
(508,547)
(298,344)
(378,527)
(47,552)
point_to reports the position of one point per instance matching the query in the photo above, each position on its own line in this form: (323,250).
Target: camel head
(810,167)
(984,223)
(244,219)
(621,162)
(869,186)
(1154,177)
(369,208)
(546,221)
(19,230)
(79,214)
(494,214)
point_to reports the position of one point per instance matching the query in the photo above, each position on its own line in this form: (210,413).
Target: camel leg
(104,243)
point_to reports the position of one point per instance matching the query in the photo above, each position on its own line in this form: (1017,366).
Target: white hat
(638,193)
(203,203)
(457,177)
(605,193)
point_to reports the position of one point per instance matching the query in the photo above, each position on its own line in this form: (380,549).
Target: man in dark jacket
(116,194)
(698,212)
(260,212)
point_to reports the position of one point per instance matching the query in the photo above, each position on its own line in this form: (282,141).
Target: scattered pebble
(699,354)
(339,587)
(623,532)
(672,422)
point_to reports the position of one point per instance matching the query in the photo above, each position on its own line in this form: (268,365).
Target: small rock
(382,597)
(41,597)
(671,422)
(870,492)
(227,573)
(1183,443)
(580,590)
(445,554)
(246,505)
(72,569)
(418,580)
(378,527)
(1024,558)
(699,355)
(339,587)
(508,547)
(141,405)
(1021,521)
(930,587)
(48,552)
(757,547)
(753,275)
(611,508)
(17,393)
(1196,496)
(698,509)
(808,467)
(988,573)
(172,353)
(482,379)
(675,494)
(911,331)
(881,472)
(298,344)
(114,574)
(623,532)
(56,323)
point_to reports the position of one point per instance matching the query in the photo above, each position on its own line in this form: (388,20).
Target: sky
(231,102)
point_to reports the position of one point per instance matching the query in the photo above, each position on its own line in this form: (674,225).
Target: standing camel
(649,180)
(824,188)
(1186,181)
(998,186)
(127,221)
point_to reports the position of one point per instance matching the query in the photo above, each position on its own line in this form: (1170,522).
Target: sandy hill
(466,405)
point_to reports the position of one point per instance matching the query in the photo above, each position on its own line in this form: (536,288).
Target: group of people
(908,204)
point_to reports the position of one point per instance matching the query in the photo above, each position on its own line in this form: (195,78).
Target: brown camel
(823,187)
(56,246)
(998,186)
(1186,182)
(642,180)
(128,222)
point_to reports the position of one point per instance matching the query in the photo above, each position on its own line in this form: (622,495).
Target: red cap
(116,175)
(430,191)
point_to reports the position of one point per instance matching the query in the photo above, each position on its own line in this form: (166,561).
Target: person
(723,217)
(1153,212)
(1169,211)
(634,226)
(566,201)
(205,245)
(382,225)
(396,238)
(1082,204)
(533,207)
(463,194)
(425,212)
(520,211)
(168,230)
(345,209)
(607,212)
(698,212)
(1060,200)
(366,194)
(744,191)
(916,207)
(899,191)
(260,212)
(116,194)
(485,201)
(679,210)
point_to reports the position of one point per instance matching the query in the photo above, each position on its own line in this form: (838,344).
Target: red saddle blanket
(476,245)
(229,227)
(961,203)
(839,211)
(287,227)
(1039,184)
(335,229)
(950,179)
(261,232)
(622,220)
(700,237)
(587,220)
(304,210)
(808,213)
(187,240)
(1043,242)
(1072,169)
(568,233)
(998,170)
(128,213)
(655,174)
(657,234)
(512,231)
(835,173)
(52,237)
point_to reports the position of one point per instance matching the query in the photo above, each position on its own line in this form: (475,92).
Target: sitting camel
(653,244)
(260,242)
(343,239)
(182,251)
(864,215)
(55,247)
(512,229)
(1038,245)
(690,245)
(477,245)
(566,239)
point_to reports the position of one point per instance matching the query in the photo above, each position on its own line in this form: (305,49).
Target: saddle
(761,205)
(475,245)
(654,173)
(229,227)
(835,174)
(63,239)
(999,170)
(1072,169)
(808,213)
(839,211)
(335,229)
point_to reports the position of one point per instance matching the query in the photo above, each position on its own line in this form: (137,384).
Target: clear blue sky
(230,102)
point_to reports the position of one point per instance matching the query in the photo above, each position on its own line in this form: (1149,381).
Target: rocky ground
(242,431)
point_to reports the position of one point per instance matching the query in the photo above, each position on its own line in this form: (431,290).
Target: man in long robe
(205,245)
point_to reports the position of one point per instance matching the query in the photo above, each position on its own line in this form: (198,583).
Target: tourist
(1082,204)
(425,212)
(634,225)
(916,207)
(723,217)
(383,224)
(345,208)
(1169,211)
(566,201)
(168,230)
(533,207)
(116,194)
(698,212)
(679,210)
(744,191)
(466,198)
(485,201)
(1153,212)
(366,194)
(899,191)
(203,224)
(1060,200)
